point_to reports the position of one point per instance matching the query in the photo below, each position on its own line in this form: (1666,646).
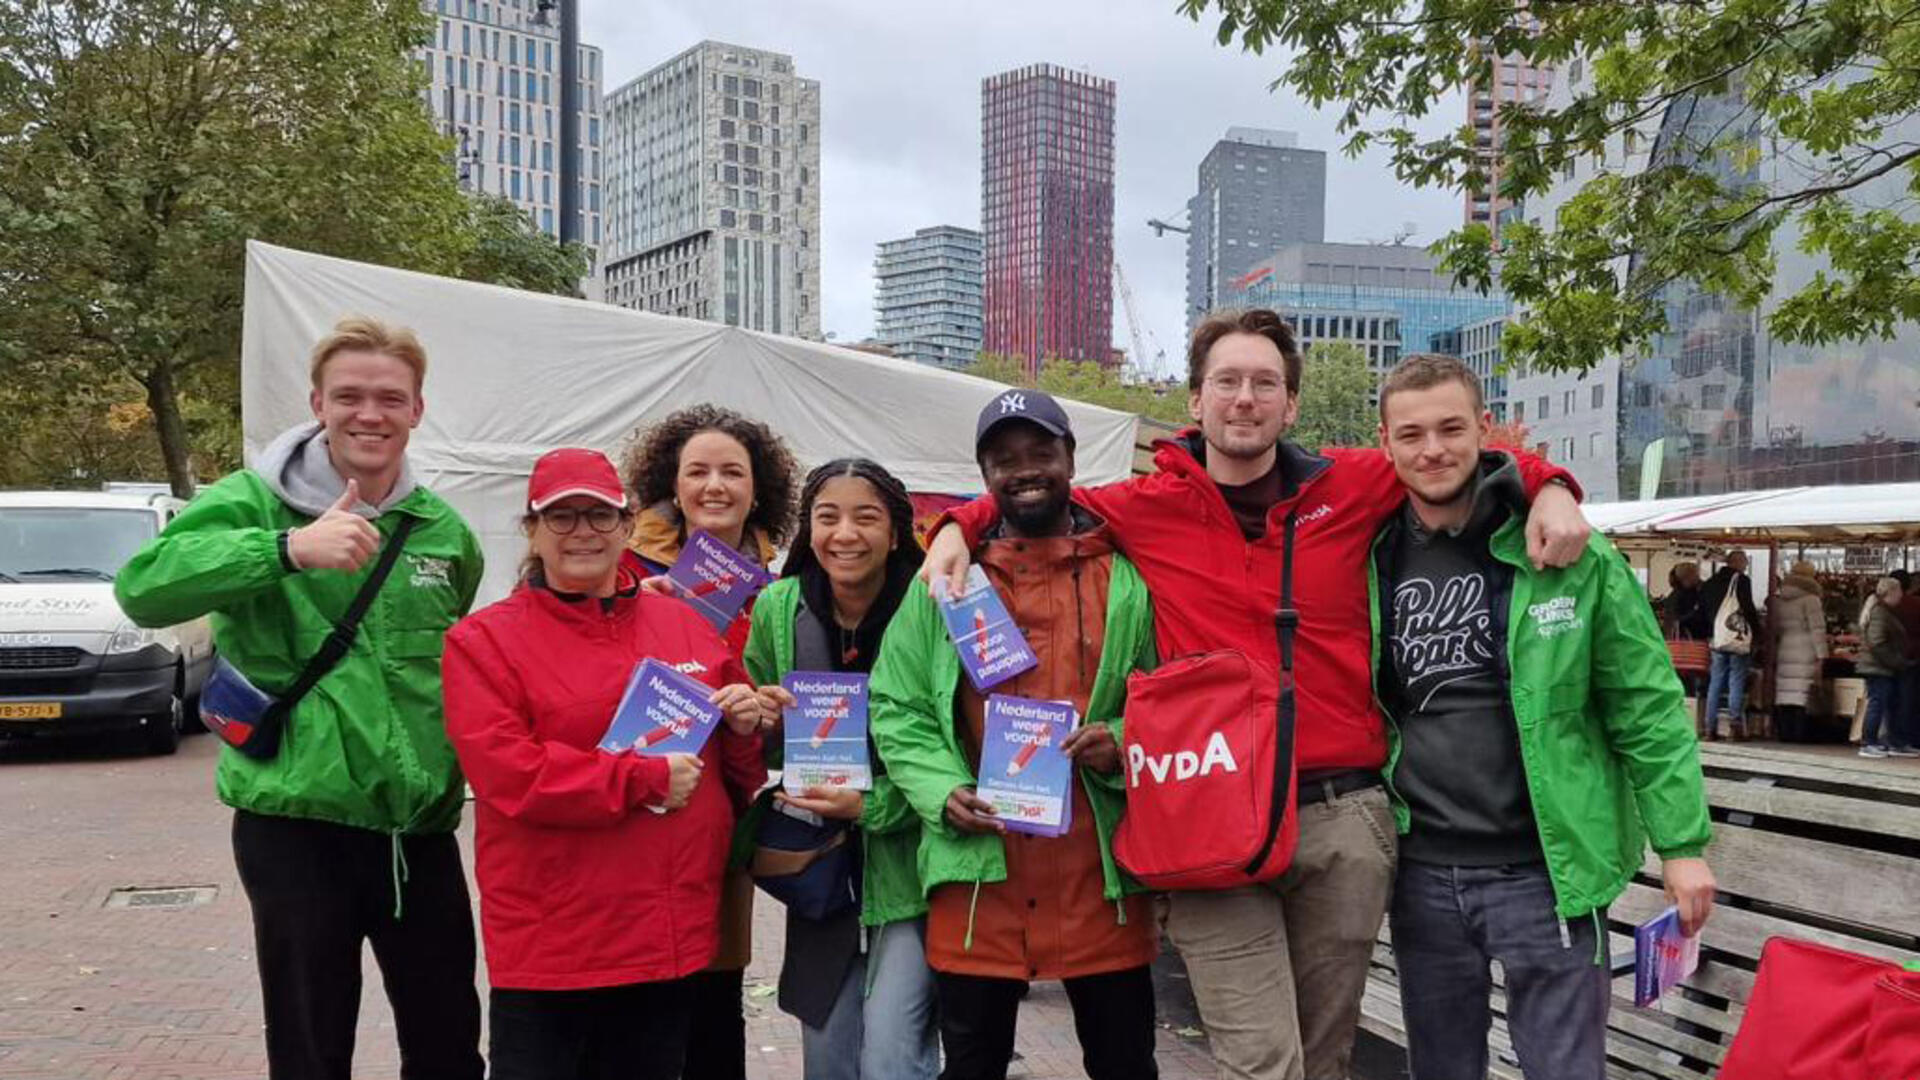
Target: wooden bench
(1813,843)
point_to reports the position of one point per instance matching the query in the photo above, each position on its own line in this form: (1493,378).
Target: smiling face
(1242,405)
(369,406)
(1433,435)
(582,559)
(851,532)
(715,485)
(1029,473)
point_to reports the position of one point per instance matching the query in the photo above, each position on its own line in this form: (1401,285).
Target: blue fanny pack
(806,862)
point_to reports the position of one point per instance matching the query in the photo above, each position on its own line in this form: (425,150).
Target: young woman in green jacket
(859,981)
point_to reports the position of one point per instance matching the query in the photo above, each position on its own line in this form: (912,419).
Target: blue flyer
(991,647)
(1023,772)
(1662,956)
(826,732)
(662,712)
(717,580)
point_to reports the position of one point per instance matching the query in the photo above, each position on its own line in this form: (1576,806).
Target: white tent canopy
(1836,514)
(514,374)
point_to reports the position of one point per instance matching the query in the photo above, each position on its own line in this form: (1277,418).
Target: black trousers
(717,1031)
(318,892)
(1112,1015)
(636,1032)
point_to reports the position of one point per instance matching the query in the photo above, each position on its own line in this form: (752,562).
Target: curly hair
(651,464)
(906,551)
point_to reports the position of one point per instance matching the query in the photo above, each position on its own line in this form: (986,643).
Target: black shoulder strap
(1285,621)
(340,641)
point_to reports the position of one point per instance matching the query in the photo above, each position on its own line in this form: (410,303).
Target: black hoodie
(1444,666)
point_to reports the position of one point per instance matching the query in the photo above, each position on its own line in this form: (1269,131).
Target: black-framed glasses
(601,519)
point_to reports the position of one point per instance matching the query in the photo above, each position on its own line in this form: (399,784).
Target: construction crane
(1162,227)
(1148,362)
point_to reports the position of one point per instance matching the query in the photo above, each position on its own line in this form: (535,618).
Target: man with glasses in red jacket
(1277,967)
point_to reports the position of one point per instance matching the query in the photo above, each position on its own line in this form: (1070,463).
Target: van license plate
(30,710)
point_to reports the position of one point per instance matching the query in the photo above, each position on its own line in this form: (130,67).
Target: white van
(70,661)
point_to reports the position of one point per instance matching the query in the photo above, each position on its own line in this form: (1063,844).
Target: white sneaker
(1870,750)
(1902,751)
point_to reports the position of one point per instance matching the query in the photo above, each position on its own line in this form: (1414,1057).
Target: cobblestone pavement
(142,993)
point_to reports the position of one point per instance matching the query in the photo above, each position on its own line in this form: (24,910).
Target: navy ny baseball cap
(1030,405)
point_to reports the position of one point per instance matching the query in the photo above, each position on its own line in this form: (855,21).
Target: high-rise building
(713,191)
(1390,299)
(1258,192)
(927,296)
(495,87)
(1046,207)
(1510,81)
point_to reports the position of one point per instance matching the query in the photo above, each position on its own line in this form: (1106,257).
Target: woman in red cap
(599,872)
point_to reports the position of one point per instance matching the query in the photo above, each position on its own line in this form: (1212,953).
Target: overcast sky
(900,121)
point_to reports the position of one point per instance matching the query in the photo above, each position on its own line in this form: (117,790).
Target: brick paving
(95,993)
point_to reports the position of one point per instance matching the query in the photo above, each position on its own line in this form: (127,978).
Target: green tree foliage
(1816,139)
(1336,398)
(1092,383)
(143,142)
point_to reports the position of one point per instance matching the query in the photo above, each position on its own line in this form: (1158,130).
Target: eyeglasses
(602,519)
(1228,384)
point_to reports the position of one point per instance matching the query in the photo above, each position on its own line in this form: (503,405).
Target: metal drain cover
(170,896)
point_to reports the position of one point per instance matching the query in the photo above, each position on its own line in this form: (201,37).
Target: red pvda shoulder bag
(1209,757)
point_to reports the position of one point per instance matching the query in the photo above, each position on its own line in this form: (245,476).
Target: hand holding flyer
(714,578)
(991,647)
(1023,771)
(826,732)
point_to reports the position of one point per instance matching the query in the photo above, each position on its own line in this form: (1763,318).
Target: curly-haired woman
(706,467)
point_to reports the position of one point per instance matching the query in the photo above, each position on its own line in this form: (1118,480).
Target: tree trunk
(163,401)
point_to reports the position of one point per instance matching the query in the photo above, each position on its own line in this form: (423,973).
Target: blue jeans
(1883,724)
(1449,923)
(1729,673)
(885,1030)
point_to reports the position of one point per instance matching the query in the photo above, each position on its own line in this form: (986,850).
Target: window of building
(727,218)
(756,223)
(730,84)
(1599,395)
(1596,445)
(1566,448)
(726,129)
(1519,412)
(750,87)
(730,173)
(1540,408)
(1566,403)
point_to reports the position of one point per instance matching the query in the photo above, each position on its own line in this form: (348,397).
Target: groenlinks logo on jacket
(1556,617)
(430,572)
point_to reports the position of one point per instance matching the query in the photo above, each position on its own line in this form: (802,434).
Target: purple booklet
(1662,956)
(662,712)
(991,647)
(715,579)
(1023,772)
(826,733)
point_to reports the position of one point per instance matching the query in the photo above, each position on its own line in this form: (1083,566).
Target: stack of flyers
(662,712)
(826,741)
(1662,956)
(1023,773)
(990,645)
(715,579)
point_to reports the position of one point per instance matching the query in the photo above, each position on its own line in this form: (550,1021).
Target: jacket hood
(1186,455)
(658,537)
(1794,586)
(296,468)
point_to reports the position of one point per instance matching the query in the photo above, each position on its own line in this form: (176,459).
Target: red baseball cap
(561,473)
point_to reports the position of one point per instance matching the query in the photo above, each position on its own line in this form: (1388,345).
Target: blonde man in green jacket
(345,835)
(1539,741)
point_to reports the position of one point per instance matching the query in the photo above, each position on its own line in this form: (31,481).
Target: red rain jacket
(580,884)
(1213,589)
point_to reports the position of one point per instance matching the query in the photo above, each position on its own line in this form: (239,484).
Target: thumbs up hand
(338,539)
